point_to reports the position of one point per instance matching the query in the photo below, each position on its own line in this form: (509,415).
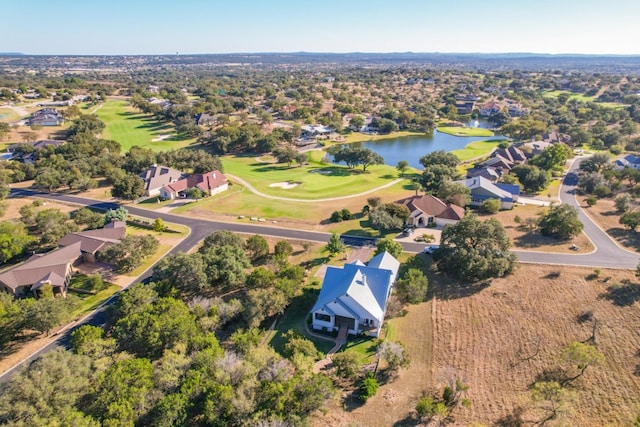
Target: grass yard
(8,115)
(130,127)
(581,97)
(90,302)
(464,131)
(475,150)
(313,181)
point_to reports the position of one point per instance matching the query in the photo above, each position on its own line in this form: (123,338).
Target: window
(323,317)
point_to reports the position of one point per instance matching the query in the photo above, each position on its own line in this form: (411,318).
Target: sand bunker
(286,185)
(161,138)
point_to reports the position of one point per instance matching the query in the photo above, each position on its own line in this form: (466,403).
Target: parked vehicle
(431,249)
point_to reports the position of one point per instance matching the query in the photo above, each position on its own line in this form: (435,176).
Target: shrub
(602,191)
(591,200)
(346,214)
(368,388)
(336,216)
(491,206)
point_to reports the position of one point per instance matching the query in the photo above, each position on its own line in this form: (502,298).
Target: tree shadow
(535,240)
(449,288)
(626,237)
(352,401)
(622,295)
(513,419)
(550,374)
(408,421)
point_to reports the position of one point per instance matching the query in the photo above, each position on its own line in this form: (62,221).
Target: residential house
(52,268)
(465,107)
(516,110)
(209,183)
(536,147)
(204,119)
(483,189)
(312,131)
(46,117)
(157,176)
(94,241)
(628,161)
(37,146)
(511,153)
(427,210)
(488,172)
(354,298)
(490,108)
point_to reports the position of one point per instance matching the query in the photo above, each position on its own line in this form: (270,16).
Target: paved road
(607,254)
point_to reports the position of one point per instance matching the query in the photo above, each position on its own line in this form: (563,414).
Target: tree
(49,178)
(90,341)
(412,287)
(595,163)
(159,225)
(223,238)
(475,250)
(589,181)
(440,157)
(285,155)
(282,249)
(335,245)
(261,278)
(582,356)
(52,224)
(356,122)
(560,221)
(184,271)
(532,178)
(455,192)
(374,202)
(225,265)
(630,219)
(263,303)
(130,187)
(347,364)
(368,387)
(394,354)
(553,157)
(44,314)
(552,399)
(13,240)
(402,167)
(623,203)
(388,245)
(130,252)
(354,156)
(87,123)
(257,246)
(91,219)
(491,206)
(433,176)
(382,220)
(120,214)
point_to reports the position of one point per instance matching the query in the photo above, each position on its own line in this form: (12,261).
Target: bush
(491,206)
(602,191)
(368,388)
(591,200)
(346,214)
(336,216)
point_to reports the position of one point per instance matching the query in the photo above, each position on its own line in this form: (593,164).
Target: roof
(511,153)
(358,285)
(631,159)
(433,206)
(92,241)
(157,176)
(39,268)
(204,181)
(479,182)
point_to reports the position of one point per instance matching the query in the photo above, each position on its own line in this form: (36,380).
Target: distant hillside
(11,54)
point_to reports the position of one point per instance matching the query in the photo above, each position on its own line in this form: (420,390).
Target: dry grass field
(500,338)
(604,214)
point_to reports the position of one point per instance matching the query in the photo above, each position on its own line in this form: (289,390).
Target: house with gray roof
(52,268)
(429,210)
(94,241)
(354,298)
(46,117)
(482,189)
(156,177)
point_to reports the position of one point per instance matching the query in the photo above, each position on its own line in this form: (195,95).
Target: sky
(130,27)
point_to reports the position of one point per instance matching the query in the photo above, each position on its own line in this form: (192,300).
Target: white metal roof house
(483,189)
(355,296)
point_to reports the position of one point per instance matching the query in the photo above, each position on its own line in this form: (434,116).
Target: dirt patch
(13,205)
(605,215)
(525,237)
(286,185)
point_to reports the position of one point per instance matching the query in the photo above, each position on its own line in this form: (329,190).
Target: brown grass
(488,336)
(604,214)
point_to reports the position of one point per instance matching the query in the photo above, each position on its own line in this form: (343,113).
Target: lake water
(411,148)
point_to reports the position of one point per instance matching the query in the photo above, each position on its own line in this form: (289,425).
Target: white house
(355,296)
(628,161)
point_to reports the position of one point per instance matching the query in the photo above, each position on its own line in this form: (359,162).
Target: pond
(411,148)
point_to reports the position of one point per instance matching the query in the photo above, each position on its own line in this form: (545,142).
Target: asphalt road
(606,255)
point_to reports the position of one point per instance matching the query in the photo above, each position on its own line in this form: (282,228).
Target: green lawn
(129,128)
(91,302)
(464,131)
(581,97)
(315,180)
(475,150)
